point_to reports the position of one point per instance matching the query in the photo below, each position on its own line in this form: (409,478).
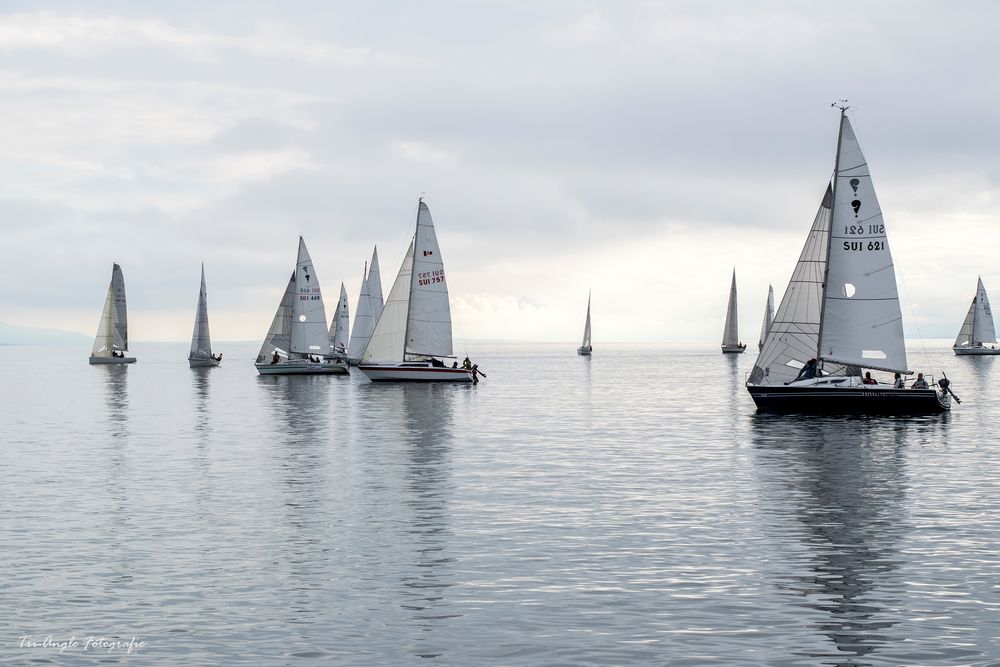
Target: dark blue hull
(847,400)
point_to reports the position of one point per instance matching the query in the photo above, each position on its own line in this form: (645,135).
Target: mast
(842,105)
(413,260)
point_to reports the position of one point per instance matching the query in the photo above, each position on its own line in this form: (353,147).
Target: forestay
(201,344)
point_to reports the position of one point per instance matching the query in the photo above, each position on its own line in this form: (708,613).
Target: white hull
(584,351)
(414,372)
(302,367)
(112,360)
(734,349)
(979,350)
(203,363)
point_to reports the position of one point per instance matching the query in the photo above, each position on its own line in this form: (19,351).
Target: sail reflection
(201,412)
(844,482)
(116,400)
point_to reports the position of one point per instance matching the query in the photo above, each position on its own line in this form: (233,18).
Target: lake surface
(629,508)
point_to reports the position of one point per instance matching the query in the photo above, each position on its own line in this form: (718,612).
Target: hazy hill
(12,334)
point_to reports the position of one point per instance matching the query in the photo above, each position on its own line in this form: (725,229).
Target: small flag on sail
(428,252)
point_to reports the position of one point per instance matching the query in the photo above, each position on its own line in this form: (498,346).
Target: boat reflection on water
(838,487)
(116,400)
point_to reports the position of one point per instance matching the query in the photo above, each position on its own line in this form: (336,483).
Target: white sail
(861,323)
(768,316)
(112,332)
(793,337)
(309,333)
(428,326)
(730,334)
(375,287)
(364,323)
(201,343)
(387,340)
(965,334)
(341,324)
(586,327)
(279,336)
(983,328)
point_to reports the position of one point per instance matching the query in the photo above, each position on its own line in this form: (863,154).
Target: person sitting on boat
(919,383)
(454,364)
(275,359)
(437,363)
(898,384)
(217,357)
(467,364)
(809,371)
(869,379)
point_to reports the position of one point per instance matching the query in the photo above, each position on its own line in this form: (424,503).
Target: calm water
(624,509)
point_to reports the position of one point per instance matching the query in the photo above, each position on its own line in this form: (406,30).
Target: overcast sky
(641,149)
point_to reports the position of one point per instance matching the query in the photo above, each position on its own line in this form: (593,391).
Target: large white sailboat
(730,335)
(978,335)
(586,348)
(340,326)
(201,342)
(111,342)
(298,341)
(768,316)
(840,313)
(413,332)
(368,310)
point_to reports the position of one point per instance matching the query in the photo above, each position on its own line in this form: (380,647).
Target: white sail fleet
(839,316)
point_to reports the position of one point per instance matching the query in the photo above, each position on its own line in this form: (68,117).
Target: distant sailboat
(840,312)
(298,341)
(586,348)
(201,343)
(368,310)
(731,335)
(768,316)
(978,329)
(111,342)
(340,325)
(413,332)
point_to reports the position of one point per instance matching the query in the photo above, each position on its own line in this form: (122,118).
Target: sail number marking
(863,229)
(861,246)
(430,277)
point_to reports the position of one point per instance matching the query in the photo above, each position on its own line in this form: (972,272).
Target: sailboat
(768,316)
(298,341)
(586,348)
(413,332)
(111,342)
(201,343)
(368,310)
(730,335)
(840,312)
(977,329)
(340,325)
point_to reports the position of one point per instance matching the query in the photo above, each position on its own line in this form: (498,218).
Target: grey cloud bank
(641,149)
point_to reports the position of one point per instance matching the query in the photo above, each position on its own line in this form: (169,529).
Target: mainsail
(341,324)
(586,327)
(201,344)
(309,333)
(793,337)
(730,334)
(112,331)
(768,316)
(861,320)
